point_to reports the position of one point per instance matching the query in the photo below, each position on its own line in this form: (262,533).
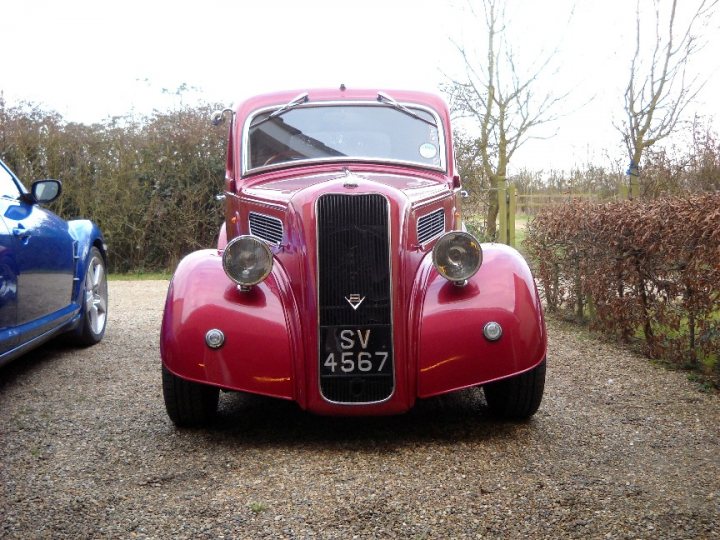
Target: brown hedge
(648,269)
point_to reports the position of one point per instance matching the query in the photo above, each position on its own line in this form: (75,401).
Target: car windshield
(373,132)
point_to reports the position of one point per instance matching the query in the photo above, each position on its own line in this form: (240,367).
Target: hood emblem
(354,300)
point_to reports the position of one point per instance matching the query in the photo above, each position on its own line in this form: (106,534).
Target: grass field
(521,221)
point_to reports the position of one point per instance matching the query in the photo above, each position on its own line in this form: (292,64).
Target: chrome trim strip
(418,205)
(341,159)
(317,301)
(259,202)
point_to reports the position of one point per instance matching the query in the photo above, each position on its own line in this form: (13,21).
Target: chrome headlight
(247,260)
(457,256)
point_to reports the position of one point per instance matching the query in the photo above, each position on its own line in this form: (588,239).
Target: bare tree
(660,89)
(500,99)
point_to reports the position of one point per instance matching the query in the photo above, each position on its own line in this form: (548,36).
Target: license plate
(346,351)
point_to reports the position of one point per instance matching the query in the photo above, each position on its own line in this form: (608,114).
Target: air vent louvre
(431,225)
(268,228)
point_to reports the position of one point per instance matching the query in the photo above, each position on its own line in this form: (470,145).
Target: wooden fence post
(507,203)
(502,210)
(512,206)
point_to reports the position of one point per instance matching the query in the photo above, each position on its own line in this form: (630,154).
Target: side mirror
(218,117)
(46,191)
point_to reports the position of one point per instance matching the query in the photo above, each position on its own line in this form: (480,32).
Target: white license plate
(355,351)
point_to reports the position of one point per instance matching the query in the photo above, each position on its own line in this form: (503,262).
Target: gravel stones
(618,449)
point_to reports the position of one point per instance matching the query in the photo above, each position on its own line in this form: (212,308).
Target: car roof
(249,105)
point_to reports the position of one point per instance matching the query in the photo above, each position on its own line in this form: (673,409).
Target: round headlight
(247,260)
(457,256)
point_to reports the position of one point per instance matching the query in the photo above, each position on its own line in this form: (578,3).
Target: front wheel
(517,398)
(189,404)
(95,301)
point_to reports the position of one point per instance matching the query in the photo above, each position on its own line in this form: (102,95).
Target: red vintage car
(343,279)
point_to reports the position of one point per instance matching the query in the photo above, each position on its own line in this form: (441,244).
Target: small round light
(457,256)
(247,260)
(214,338)
(492,331)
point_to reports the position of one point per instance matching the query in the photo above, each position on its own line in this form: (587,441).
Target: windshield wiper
(382,97)
(299,100)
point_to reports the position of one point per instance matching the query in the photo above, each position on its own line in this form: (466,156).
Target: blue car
(53,277)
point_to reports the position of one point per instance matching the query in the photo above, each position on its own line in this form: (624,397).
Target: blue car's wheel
(95,300)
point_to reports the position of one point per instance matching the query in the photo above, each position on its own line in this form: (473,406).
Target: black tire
(189,404)
(519,397)
(94,301)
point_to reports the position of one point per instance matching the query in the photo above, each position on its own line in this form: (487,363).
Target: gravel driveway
(619,449)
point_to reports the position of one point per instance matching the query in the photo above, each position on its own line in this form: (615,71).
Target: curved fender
(452,351)
(257,354)
(87,235)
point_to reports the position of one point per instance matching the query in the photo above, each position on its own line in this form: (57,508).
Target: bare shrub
(648,269)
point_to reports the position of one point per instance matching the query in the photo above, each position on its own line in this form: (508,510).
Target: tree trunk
(634,173)
(492,214)
(497,181)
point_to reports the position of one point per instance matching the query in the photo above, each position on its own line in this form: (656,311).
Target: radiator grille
(431,225)
(354,297)
(268,228)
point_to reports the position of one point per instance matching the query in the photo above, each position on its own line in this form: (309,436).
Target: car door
(8,268)
(42,251)
(8,286)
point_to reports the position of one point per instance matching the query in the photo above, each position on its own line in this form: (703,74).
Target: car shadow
(32,360)
(247,419)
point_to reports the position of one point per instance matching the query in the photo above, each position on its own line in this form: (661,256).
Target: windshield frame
(340,159)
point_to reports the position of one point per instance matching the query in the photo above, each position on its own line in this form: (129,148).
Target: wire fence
(475,209)
(531,203)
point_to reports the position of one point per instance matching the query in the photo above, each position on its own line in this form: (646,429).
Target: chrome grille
(354,268)
(431,225)
(268,228)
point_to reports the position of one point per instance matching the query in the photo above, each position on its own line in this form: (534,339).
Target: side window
(8,187)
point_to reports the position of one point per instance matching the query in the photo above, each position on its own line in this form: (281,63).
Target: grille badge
(354,300)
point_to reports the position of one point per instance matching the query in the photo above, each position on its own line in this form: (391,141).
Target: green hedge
(148,182)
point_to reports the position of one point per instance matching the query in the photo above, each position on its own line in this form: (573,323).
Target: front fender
(452,351)
(86,235)
(257,354)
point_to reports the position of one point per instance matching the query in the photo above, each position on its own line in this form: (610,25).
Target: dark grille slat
(354,259)
(341,390)
(268,228)
(430,225)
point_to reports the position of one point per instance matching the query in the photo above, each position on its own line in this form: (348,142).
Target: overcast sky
(90,59)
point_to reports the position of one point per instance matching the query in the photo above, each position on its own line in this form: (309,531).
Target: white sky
(90,59)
